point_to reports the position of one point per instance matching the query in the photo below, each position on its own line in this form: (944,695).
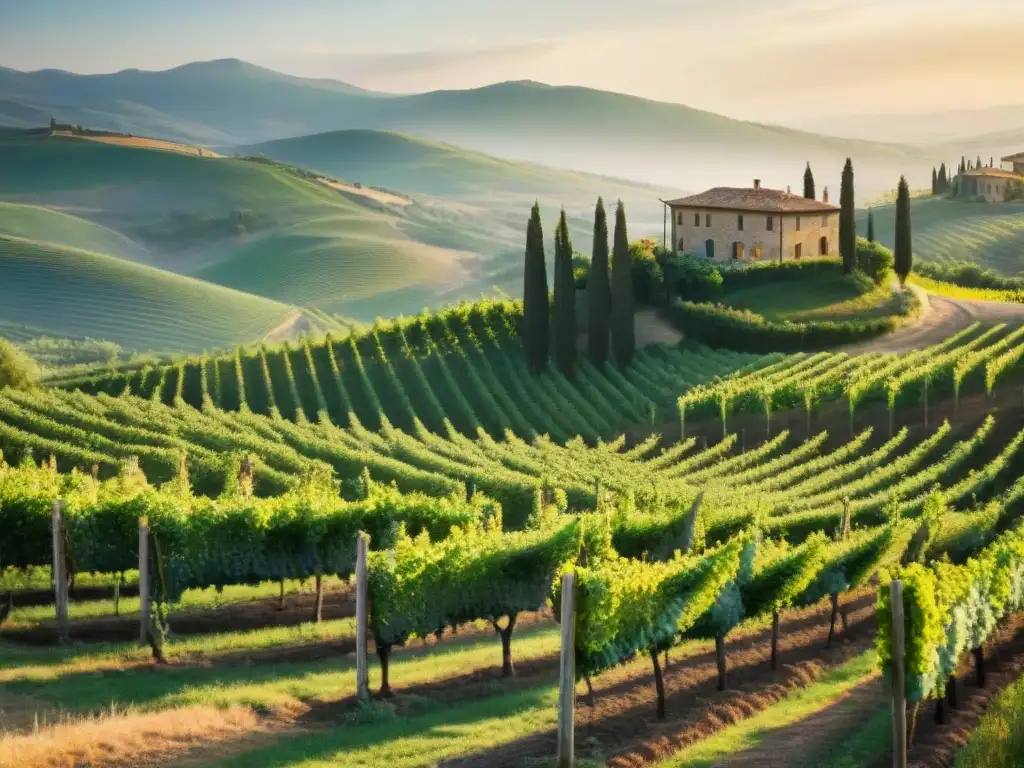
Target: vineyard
(479,490)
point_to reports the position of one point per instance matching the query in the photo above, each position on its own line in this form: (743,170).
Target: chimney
(757,183)
(824,195)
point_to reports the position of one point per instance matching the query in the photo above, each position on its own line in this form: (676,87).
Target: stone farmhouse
(753,223)
(994,185)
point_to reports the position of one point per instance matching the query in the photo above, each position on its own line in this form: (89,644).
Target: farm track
(942,318)
(621,728)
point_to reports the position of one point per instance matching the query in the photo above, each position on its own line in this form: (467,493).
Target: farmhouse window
(797,223)
(798,250)
(771,223)
(707,220)
(679,218)
(739,222)
(696,219)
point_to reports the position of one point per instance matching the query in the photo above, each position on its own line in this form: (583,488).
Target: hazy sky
(786,61)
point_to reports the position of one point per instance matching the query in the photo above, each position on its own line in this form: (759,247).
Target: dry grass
(128,739)
(144,143)
(373,194)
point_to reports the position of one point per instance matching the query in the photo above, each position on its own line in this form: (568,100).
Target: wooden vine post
(567,684)
(145,597)
(60,574)
(899,700)
(362,672)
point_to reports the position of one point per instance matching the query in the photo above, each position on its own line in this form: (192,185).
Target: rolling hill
(957,230)
(230,102)
(285,234)
(64,290)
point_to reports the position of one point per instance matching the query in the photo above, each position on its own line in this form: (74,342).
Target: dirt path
(620,725)
(791,745)
(941,318)
(652,329)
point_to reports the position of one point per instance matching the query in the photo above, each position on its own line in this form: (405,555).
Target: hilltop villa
(753,223)
(994,185)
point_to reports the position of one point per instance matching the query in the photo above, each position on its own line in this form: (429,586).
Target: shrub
(762,273)
(648,277)
(967,274)
(692,278)
(17,370)
(719,326)
(874,260)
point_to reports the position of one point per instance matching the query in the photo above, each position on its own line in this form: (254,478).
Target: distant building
(753,224)
(993,185)
(1017,161)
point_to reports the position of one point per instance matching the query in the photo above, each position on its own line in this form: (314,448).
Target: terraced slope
(957,230)
(459,372)
(61,289)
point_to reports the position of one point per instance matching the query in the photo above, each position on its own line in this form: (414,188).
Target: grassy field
(824,297)
(61,289)
(991,235)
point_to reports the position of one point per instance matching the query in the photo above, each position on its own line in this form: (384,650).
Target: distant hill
(231,103)
(958,230)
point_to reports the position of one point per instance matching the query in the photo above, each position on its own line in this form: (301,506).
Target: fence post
(362,673)
(567,686)
(60,575)
(899,701)
(144,590)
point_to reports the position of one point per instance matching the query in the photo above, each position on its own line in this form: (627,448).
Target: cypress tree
(809,183)
(623,334)
(847,224)
(978,164)
(935,181)
(871,226)
(943,178)
(902,253)
(598,290)
(536,307)
(963,164)
(565,300)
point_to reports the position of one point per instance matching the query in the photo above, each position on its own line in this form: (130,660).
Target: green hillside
(66,290)
(32,222)
(958,230)
(412,164)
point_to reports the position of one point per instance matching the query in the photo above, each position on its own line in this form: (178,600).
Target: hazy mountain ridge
(232,102)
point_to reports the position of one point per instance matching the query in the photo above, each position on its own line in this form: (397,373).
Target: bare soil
(619,725)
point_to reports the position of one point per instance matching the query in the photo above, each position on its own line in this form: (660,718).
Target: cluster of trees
(548,319)
(17,370)
(942,182)
(903,246)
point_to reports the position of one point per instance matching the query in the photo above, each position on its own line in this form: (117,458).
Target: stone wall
(689,236)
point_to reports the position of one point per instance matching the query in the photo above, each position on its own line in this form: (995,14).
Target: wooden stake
(362,672)
(60,575)
(144,596)
(117,595)
(899,701)
(723,681)
(775,641)
(318,608)
(567,684)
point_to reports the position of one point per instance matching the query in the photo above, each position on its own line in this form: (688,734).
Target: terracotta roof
(1018,158)
(997,173)
(751,199)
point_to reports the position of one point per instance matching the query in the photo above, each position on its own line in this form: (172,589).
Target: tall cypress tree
(809,183)
(599,299)
(871,226)
(978,164)
(847,224)
(903,252)
(536,306)
(963,164)
(565,300)
(943,178)
(935,181)
(623,333)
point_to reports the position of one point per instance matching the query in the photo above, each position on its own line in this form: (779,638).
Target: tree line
(550,321)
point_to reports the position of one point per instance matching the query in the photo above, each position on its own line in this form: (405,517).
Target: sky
(785,61)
